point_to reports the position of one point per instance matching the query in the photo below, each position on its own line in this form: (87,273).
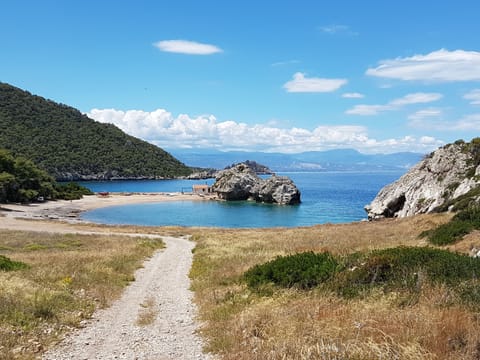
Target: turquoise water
(327,197)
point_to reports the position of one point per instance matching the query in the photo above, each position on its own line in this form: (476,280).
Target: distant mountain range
(331,160)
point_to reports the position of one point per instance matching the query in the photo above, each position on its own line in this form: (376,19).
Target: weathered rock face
(241,183)
(236,183)
(278,189)
(445,174)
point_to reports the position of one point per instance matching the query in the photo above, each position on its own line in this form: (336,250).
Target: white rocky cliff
(440,178)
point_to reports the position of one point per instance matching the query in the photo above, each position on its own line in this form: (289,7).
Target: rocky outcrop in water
(279,190)
(236,183)
(242,183)
(436,183)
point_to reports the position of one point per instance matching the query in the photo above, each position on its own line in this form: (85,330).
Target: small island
(240,182)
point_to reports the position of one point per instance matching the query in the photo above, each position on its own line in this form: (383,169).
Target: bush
(404,268)
(461,224)
(71,191)
(303,270)
(9,265)
(448,233)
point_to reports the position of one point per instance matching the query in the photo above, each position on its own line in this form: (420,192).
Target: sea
(327,197)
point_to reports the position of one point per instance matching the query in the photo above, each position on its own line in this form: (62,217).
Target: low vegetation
(7,264)
(302,270)
(398,269)
(50,283)
(464,222)
(383,294)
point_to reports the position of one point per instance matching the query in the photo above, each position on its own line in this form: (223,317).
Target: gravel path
(160,296)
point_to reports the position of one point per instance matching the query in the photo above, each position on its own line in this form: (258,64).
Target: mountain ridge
(330,160)
(71,146)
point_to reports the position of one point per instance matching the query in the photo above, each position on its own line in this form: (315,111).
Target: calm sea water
(333,197)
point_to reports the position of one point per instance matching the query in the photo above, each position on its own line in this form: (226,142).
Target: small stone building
(202,189)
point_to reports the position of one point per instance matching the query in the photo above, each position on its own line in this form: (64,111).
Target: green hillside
(71,146)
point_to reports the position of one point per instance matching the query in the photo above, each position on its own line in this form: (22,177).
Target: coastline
(70,210)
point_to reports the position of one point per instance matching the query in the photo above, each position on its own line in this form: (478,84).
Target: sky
(273,76)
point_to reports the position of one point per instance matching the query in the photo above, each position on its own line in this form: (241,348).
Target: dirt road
(154,318)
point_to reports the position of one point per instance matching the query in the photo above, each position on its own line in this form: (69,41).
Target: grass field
(66,277)
(279,323)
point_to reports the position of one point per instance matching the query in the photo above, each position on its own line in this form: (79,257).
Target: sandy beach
(69,211)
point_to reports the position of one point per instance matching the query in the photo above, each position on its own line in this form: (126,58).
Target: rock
(236,183)
(201,175)
(241,183)
(259,169)
(278,189)
(438,179)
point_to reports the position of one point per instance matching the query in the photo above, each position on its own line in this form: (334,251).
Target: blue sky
(284,76)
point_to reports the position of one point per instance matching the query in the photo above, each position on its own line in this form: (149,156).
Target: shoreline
(70,210)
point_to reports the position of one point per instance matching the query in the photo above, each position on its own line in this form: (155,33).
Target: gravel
(161,288)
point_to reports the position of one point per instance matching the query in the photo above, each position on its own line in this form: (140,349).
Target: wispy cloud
(396,104)
(338,29)
(473,96)
(302,84)
(426,118)
(283,63)
(187,47)
(354,95)
(165,130)
(437,66)
(433,119)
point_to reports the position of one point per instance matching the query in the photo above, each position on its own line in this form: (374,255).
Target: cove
(326,198)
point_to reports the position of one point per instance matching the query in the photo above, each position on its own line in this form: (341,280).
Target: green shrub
(303,270)
(71,191)
(460,225)
(9,265)
(404,268)
(448,233)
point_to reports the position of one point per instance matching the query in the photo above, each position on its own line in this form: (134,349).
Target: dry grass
(148,313)
(68,277)
(289,324)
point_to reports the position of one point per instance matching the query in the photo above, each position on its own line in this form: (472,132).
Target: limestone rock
(241,183)
(445,174)
(278,189)
(236,183)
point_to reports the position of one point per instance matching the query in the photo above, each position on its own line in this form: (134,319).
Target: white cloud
(438,66)
(473,96)
(366,110)
(301,84)
(416,98)
(354,95)
(433,119)
(396,104)
(426,114)
(283,63)
(165,130)
(187,47)
(336,29)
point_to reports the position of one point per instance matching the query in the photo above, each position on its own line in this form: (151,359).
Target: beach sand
(69,211)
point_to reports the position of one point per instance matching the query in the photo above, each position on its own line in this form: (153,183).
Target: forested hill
(71,146)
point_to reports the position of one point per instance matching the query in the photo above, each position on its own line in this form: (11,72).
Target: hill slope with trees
(22,182)
(71,146)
